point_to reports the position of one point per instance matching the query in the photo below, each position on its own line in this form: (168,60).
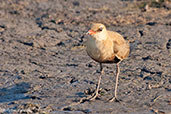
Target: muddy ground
(44,67)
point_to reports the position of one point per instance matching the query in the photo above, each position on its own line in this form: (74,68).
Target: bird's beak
(91,32)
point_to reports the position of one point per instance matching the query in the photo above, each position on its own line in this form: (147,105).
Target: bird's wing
(120,46)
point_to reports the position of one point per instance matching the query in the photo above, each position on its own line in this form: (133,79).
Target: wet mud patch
(14,93)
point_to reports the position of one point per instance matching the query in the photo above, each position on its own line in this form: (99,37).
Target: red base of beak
(91,32)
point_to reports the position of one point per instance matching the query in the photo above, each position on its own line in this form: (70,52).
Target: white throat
(101,36)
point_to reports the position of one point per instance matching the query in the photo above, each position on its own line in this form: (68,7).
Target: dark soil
(44,67)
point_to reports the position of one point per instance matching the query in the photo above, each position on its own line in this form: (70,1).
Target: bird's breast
(100,51)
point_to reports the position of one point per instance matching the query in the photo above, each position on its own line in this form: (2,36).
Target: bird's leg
(97,89)
(116,84)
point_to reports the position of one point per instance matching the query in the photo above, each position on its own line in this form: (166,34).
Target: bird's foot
(93,97)
(114,99)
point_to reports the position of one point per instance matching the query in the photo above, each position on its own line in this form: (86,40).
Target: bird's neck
(101,36)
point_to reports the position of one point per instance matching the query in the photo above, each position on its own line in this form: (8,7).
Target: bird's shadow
(14,92)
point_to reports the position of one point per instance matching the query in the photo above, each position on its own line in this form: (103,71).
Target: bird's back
(120,46)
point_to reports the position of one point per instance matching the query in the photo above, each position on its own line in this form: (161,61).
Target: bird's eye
(100,29)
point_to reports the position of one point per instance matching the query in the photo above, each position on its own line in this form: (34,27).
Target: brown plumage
(106,47)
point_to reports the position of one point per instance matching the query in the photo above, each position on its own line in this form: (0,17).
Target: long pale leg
(97,89)
(116,84)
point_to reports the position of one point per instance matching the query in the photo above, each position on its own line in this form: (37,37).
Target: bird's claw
(114,99)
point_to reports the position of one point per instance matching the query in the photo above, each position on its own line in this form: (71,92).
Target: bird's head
(98,31)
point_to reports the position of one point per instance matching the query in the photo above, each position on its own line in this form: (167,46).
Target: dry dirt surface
(44,68)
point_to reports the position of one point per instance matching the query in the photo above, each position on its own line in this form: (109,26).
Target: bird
(106,47)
